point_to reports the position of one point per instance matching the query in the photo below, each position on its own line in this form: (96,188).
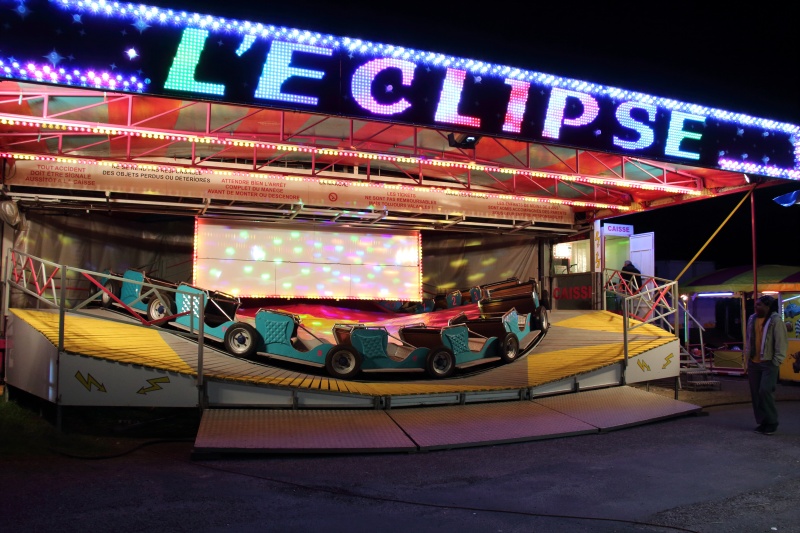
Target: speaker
(9,212)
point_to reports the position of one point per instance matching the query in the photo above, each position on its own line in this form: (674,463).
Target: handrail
(36,278)
(701,329)
(652,296)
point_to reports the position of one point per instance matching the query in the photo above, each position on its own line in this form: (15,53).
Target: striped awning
(779,278)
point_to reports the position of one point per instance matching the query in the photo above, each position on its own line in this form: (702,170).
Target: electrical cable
(120,454)
(339,492)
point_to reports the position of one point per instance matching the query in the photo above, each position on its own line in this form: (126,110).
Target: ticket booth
(571,274)
(581,267)
(620,244)
(579,263)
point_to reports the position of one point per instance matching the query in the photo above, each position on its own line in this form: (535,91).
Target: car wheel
(111,286)
(240,340)
(441,363)
(544,322)
(158,308)
(510,348)
(343,362)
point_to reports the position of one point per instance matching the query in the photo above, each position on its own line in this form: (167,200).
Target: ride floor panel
(578,342)
(430,428)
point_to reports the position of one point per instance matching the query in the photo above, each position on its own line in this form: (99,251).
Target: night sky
(736,58)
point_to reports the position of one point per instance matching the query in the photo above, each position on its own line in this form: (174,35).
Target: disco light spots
(257,253)
(489,261)
(297,266)
(406,256)
(247,269)
(215,273)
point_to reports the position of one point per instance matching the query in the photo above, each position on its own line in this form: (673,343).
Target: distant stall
(722,300)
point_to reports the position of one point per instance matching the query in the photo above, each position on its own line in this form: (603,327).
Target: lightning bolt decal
(153,385)
(668,360)
(643,365)
(88,381)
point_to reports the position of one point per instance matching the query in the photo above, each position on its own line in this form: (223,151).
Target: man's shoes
(759,428)
(765,430)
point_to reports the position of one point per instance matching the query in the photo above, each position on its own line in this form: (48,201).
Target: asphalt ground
(707,473)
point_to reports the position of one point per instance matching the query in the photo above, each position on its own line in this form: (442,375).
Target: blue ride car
(139,293)
(284,337)
(450,347)
(513,330)
(219,319)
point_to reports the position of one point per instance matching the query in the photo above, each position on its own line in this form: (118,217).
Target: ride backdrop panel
(249,260)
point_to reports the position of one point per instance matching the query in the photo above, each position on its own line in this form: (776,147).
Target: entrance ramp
(431,428)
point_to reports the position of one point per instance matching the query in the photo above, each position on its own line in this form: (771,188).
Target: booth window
(571,257)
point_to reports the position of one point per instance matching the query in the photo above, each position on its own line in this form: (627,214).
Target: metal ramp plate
(617,407)
(429,428)
(294,431)
(485,424)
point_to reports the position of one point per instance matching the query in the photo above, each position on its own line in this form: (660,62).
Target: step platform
(228,431)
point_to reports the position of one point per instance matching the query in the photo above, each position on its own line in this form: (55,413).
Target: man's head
(628,263)
(765,306)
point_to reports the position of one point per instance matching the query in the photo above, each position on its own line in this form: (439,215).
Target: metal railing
(38,283)
(655,302)
(701,329)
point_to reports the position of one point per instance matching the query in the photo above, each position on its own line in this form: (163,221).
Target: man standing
(632,277)
(765,348)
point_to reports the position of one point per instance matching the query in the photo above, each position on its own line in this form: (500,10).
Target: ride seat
(421,337)
(275,328)
(371,343)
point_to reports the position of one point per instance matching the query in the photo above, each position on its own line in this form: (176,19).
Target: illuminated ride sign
(127,47)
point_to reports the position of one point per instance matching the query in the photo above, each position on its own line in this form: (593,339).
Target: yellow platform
(578,342)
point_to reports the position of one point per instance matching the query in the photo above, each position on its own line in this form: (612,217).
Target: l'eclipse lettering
(565,109)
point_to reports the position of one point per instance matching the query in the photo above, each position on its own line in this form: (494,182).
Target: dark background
(735,57)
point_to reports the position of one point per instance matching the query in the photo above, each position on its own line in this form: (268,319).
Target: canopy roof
(778,278)
(217,97)
(58,122)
